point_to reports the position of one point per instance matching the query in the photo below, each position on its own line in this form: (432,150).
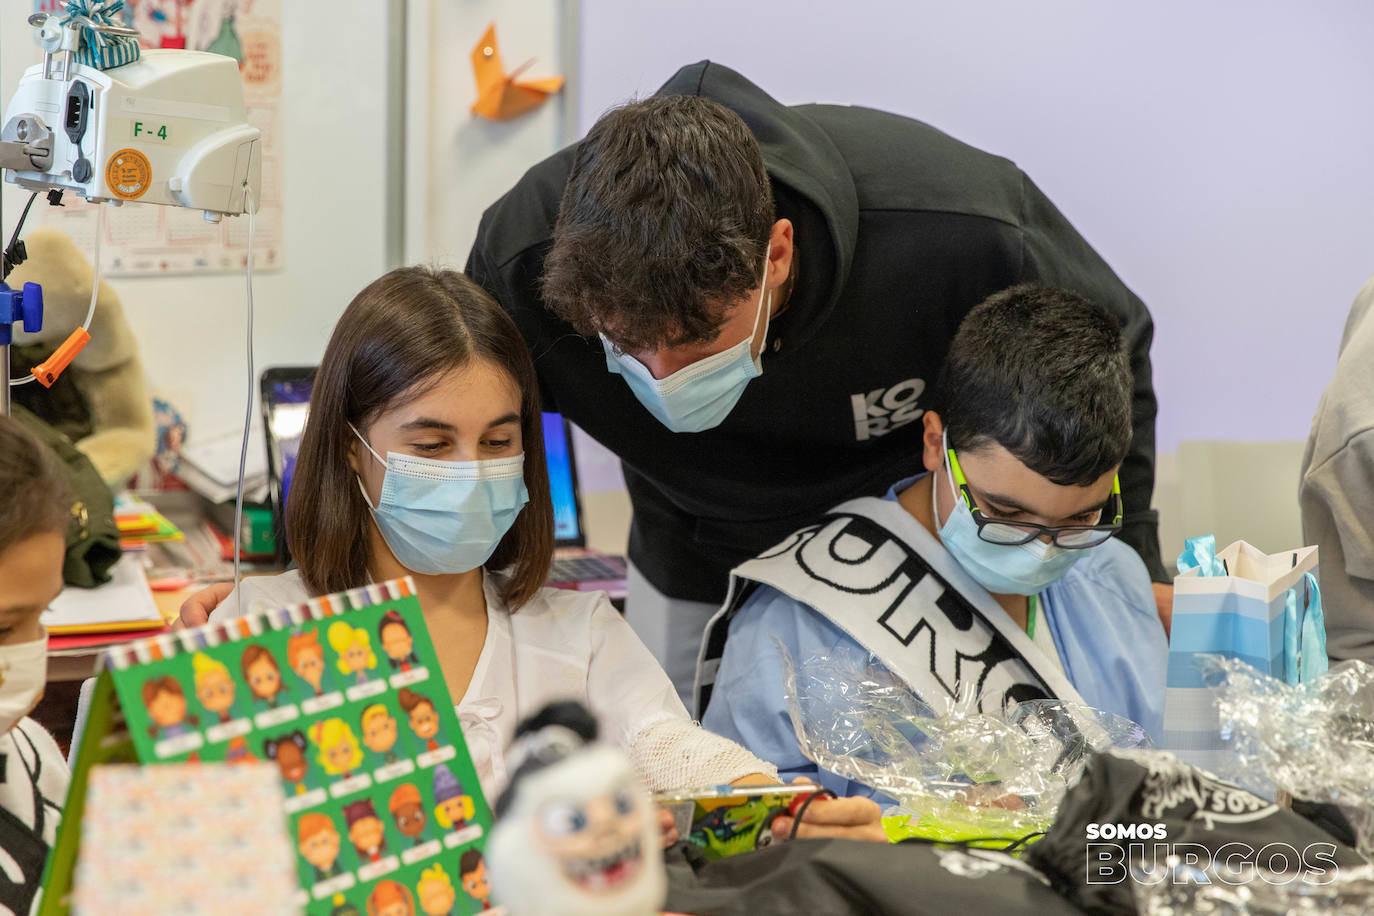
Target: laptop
(285,404)
(574,564)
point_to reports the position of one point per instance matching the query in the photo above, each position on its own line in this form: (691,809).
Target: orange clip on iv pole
(47,371)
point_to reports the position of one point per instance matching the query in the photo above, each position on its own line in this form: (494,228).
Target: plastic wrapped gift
(1313,740)
(957,774)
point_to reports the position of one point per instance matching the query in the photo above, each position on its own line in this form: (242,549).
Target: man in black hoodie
(747,302)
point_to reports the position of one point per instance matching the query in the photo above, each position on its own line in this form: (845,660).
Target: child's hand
(667,828)
(195,610)
(853,818)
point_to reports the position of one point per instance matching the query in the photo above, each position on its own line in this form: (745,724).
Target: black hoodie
(900,230)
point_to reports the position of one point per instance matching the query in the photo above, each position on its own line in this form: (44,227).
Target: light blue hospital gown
(1102,616)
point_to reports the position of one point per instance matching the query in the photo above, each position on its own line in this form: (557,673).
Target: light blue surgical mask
(701,395)
(442,517)
(1023,569)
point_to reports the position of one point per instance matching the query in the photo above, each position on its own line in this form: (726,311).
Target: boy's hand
(854,818)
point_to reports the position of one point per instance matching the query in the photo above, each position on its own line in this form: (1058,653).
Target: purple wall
(1221,160)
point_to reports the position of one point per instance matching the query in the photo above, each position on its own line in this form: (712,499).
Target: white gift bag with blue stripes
(1240,602)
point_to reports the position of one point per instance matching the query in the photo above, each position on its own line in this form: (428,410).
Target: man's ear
(933,441)
(779,254)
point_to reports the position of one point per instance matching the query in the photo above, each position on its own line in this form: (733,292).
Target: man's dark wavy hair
(663,225)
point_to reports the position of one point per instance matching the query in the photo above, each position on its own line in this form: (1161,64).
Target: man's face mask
(989,551)
(699,396)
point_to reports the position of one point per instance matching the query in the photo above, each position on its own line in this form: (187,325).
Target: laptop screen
(289,403)
(562,485)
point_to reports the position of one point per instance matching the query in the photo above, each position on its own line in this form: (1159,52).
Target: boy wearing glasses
(996,569)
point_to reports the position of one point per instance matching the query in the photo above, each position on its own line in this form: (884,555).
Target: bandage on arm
(679,754)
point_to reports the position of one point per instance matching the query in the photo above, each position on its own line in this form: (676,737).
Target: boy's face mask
(699,396)
(1003,569)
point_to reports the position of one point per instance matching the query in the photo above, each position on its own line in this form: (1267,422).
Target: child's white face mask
(23,672)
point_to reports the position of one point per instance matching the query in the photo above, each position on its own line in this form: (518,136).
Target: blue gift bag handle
(1200,553)
(1304,634)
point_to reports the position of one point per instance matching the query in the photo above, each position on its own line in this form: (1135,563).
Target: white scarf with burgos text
(871,569)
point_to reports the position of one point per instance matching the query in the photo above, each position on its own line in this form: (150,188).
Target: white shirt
(563,645)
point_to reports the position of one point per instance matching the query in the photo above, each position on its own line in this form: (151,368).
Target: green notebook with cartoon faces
(345,695)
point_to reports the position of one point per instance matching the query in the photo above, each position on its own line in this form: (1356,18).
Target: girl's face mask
(443,517)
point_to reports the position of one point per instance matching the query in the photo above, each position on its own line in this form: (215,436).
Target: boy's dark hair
(36,497)
(663,225)
(1045,374)
(468,862)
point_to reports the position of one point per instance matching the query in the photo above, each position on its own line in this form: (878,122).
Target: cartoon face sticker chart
(394,635)
(349,704)
(170,723)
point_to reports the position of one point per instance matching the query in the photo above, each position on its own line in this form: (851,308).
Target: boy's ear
(932,441)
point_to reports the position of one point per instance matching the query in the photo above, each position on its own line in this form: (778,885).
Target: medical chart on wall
(150,240)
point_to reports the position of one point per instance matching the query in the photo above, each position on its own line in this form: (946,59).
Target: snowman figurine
(576,833)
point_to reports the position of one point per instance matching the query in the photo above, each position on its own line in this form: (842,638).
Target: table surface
(79,664)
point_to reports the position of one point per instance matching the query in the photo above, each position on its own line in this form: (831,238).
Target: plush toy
(576,833)
(101,401)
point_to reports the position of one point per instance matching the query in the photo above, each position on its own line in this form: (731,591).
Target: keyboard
(587,569)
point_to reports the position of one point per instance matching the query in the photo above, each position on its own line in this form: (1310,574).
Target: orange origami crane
(500,97)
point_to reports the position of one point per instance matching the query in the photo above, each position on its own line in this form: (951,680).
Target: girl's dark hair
(394,341)
(36,497)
